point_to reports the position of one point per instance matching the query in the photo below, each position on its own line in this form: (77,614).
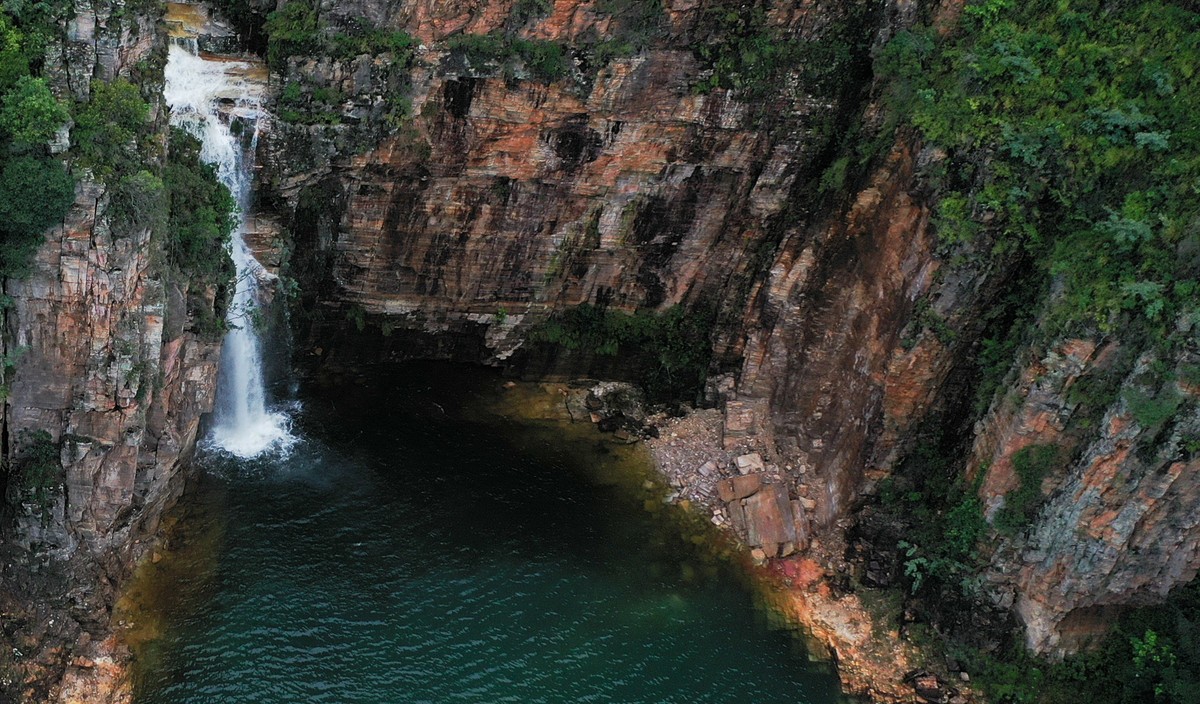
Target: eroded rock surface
(107,365)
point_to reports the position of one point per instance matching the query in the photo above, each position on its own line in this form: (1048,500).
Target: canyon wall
(105,368)
(432,201)
(502,199)
(1119,524)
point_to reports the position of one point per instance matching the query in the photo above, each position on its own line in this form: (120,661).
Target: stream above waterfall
(437,537)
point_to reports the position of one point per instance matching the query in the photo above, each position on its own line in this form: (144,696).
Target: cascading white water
(205,96)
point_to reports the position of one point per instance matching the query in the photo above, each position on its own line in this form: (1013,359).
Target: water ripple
(346,576)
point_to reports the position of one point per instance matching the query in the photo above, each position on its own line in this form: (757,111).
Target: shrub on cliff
(292,30)
(35,475)
(14,54)
(525,10)
(31,114)
(1073,133)
(35,189)
(1031,464)
(359,37)
(35,193)
(745,54)
(111,129)
(668,352)
(201,214)
(636,24)
(1152,656)
(545,61)
(296,29)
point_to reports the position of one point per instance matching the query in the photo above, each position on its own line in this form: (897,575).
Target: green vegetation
(296,29)
(31,114)
(1031,465)
(669,350)
(1073,134)
(292,30)
(545,61)
(1153,411)
(1007,326)
(201,214)
(525,10)
(947,558)
(1151,657)
(751,57)
(112,133)
(362,38)
(310,105)
(35,188)
(35,475)
(636,25)
(746,55)
(944,518)
(35,193)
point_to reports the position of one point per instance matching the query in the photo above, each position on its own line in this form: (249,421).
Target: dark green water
(419,547)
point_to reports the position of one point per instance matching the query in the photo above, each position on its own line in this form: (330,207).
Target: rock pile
(705,461)
(743,492)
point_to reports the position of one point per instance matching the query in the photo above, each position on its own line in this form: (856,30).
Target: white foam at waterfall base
(202,95)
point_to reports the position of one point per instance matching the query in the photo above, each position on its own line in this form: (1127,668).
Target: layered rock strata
(105,364)
(505,198)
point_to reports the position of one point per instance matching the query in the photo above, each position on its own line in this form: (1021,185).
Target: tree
(35,193)
(31,114)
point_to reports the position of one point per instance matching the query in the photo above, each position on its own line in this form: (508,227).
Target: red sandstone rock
(739,487)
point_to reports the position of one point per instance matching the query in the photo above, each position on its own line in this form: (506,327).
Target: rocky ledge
(717,462)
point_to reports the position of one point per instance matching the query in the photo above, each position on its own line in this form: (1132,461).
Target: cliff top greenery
(35,188)
(1073,132)
(297,29)
(178,199)
(1070,131)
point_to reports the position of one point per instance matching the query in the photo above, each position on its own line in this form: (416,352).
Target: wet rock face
(101,374)
(531,199)
(827,331)
(107,369)
(105,366)
(618,186)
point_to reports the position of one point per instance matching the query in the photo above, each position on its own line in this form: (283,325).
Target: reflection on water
(436,538)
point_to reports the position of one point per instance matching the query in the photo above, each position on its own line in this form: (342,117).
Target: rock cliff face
(505,199)
(103,362)
(1118,525)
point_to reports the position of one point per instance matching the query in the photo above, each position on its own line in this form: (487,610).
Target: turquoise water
(426,544)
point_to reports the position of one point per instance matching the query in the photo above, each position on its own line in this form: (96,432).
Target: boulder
(768,517)
(744,422)
(614,398)
(929,687)
(735,488)
(752,462)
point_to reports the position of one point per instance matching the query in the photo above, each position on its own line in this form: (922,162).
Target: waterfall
(207,96)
